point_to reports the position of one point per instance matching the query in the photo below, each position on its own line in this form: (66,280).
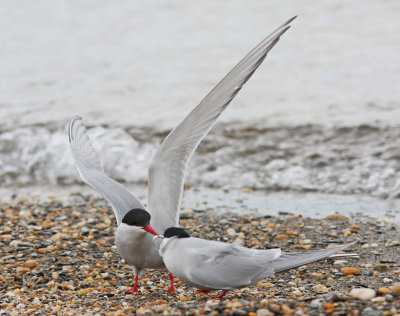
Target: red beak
(150,230)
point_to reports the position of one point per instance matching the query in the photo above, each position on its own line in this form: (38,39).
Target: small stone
(392,243)
(297,293)
(239,312)
(231,232)
(387,280)
(58,236)
(286,309)
(378,299)
(383,290)
(355,227)
(389,298)
(336,217)
(281,237)
(185,298)
(247,190)
(264,312)
(316,303)
(381,267)
(22,269)
(320,288)
(396,288)
(306,241)
(364,294)
(329,306)
(349,271)
(336,297)
(365,246)
(85,291)
(347,233)
(316,275)
(30,264)
(339,262)
(264,284)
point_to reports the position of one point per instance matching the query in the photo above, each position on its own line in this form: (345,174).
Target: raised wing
(167,168)
(91,171)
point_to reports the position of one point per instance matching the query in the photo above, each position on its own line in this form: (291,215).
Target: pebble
(340,262)
(85,291)
(396,288)
(392,243)
(364,294)
(389,298)
(320,288)
(231,232)
(264,312)
(336,217)
(384,290)
(31,264)
(316,303)
(349,271)
(281,237)
(381,267)
(306,241)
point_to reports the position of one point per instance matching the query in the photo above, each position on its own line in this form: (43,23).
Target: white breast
(136,247)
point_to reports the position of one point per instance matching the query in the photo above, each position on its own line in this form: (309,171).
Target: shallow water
(321,115)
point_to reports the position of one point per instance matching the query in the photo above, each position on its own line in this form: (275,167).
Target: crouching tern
(165,185)
(213,265)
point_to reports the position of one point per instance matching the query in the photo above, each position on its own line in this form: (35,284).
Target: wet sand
(59,257)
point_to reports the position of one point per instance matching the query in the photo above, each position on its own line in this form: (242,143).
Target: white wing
(214,265)
(168,165)
(91,170)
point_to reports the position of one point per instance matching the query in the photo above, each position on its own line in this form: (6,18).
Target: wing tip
(71,127)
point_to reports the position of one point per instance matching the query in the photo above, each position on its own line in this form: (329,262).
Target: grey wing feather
(228,266)
(91,171)
(168,165)
(296,259)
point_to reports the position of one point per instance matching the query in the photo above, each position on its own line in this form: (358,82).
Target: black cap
(137,217)
(175,231)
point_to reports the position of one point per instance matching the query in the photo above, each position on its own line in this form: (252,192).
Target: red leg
(134,289)
(222,295)
(171,277)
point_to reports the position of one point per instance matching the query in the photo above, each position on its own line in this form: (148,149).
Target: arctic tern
(167,168)
(213,265)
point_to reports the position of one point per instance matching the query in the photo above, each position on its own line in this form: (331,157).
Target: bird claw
(132,290)
(220,296)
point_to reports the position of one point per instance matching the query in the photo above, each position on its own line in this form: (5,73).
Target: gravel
(59,258)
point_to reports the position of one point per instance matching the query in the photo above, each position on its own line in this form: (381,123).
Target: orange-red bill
(150,230)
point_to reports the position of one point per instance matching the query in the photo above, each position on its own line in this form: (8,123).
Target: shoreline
(238,201)
(59,258)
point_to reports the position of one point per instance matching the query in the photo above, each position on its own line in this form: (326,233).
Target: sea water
(320,116)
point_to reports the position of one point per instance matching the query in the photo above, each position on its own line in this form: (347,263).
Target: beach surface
(58,257)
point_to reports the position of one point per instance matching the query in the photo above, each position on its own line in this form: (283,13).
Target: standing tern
(213,265)
(167,168)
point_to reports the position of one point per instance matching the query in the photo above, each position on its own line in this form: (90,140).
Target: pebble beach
(58,258)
